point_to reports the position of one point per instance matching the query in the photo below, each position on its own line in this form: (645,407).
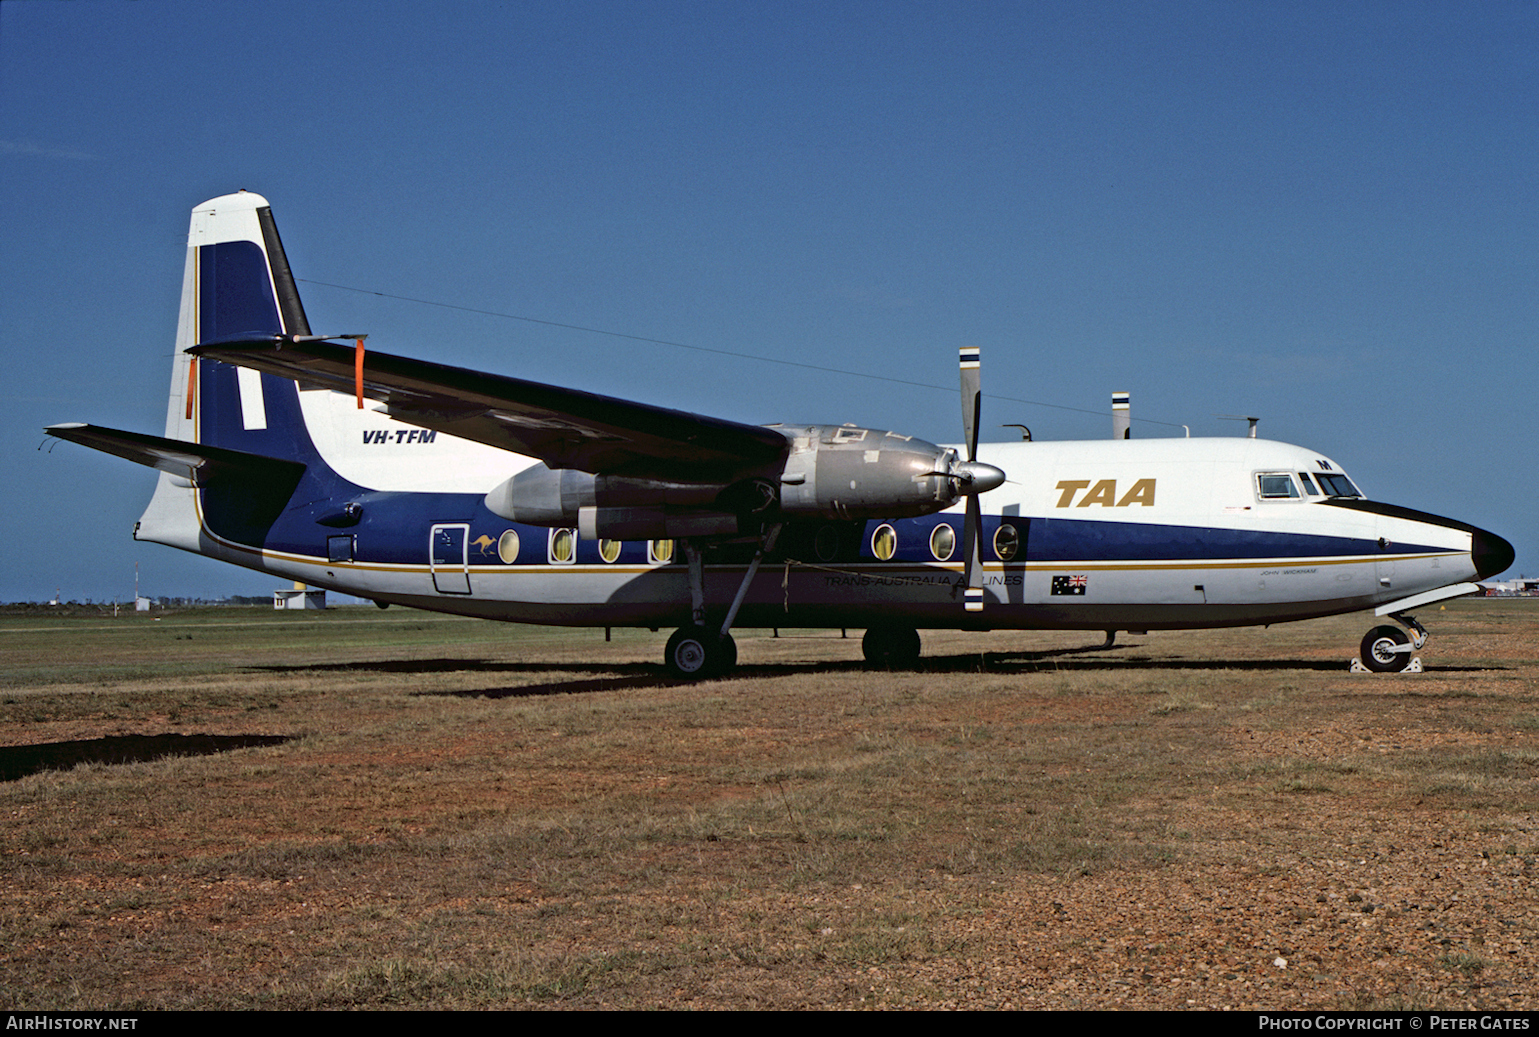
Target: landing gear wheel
(694,653)
(1386,650)
(891,646)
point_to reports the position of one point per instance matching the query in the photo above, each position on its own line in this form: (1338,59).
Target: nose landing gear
(1386,649)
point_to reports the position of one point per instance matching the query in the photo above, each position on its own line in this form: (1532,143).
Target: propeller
(973,478)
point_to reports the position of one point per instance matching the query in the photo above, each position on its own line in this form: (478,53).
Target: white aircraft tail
(236,281)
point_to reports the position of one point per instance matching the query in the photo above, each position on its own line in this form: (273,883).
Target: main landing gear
(1387,649)
(698,651)
(695,652)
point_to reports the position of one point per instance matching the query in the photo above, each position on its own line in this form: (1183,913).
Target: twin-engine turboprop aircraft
(490,496)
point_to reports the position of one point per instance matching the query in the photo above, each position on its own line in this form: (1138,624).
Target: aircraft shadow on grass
(630,676)
(18,761)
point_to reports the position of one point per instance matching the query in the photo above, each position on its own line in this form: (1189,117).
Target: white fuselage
(1106,534)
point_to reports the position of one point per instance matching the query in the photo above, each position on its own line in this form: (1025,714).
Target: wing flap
(565,428)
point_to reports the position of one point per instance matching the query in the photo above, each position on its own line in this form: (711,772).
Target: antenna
(1241,417)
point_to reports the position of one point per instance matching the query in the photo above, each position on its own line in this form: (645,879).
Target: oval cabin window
(563,546)
(1007,541)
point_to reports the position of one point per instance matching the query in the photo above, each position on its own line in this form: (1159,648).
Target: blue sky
(1320,213)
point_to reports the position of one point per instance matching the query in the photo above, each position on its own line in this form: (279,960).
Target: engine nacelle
(844,472)
(612,507)
(836,472)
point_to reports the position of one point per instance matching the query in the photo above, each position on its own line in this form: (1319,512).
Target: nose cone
(978,477)
(1490,553)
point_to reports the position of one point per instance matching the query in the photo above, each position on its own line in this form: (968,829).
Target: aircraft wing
(565,428)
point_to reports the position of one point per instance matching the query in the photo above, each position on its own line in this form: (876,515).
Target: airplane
(411,483)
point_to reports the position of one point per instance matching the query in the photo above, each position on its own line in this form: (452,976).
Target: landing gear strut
(698,651)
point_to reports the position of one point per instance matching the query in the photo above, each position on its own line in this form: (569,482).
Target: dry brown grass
(469,815)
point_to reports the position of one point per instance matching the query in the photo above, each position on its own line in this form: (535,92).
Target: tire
(891,646)
(1382,649)
(694,653)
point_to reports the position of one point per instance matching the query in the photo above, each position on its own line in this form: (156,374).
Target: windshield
(1336,485)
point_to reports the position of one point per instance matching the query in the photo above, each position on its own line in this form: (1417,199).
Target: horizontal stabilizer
(197,463)
(565,428)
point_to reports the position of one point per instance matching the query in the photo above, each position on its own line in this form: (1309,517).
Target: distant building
(301,597)
(1523,586)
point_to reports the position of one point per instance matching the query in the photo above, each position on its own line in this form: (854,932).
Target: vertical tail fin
(236,280)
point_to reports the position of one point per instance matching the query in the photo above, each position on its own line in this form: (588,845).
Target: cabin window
(826,543)
(1007,541)
(884,542)
(943,541)
(660,552)
(609,550)
(1276,486)
(563,546)
(507,547)
(1336,485)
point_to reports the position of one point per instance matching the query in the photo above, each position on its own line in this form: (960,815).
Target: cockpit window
(1336,485)
(1309,487)
(1276,486)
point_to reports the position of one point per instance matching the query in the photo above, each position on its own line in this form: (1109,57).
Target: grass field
(396,809)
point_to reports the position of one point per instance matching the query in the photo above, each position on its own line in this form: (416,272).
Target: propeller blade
(971,398)
(972,534)
(977,478)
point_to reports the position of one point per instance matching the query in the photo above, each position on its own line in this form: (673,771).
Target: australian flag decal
(1069,584)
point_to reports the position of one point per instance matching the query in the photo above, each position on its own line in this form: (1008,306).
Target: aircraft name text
(1104,493)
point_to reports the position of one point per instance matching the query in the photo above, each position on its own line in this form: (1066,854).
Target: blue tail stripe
(236,298)
(236,293)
